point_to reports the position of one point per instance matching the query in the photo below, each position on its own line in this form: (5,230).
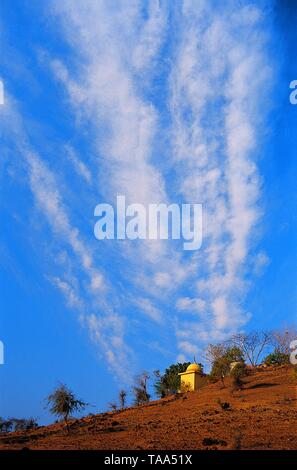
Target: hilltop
(261,416)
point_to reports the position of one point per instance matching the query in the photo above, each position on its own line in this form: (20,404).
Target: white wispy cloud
(189,348)
(218,82)
(69,292)
(151,37)
(49,199)
(260,262)
(219,70)
(106,87)
(79,166)
(147,307)
(107,331)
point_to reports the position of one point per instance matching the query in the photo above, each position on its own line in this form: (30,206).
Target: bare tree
(282,338)
(251,344)
(122,398)
(214,352)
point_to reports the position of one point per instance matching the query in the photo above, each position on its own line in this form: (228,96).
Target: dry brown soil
(263,415)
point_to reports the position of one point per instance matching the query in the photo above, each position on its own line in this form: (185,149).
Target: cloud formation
(219,69)
(218,80)
(169,120)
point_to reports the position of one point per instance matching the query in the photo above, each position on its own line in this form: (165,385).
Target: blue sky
(160,101)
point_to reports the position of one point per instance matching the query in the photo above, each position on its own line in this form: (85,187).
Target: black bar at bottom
(153,458)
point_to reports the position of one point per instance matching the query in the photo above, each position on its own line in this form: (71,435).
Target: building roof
(194,368)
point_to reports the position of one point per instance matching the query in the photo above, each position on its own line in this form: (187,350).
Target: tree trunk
(66,422)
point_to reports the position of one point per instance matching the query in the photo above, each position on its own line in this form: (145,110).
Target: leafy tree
(277,358)
(221,365)
(237,373)
(169,382)
(62,402)
(122,398)
(220,369)
(234,354)
(140,391)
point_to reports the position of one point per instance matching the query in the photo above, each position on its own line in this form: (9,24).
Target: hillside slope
(261,416)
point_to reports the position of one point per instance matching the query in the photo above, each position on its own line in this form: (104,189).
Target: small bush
(286,400)
(224,405)
(185,387)
(209,441)
(113,406)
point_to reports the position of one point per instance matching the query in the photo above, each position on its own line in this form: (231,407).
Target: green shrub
(277,358)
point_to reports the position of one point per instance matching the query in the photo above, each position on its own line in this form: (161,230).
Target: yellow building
(191,379)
